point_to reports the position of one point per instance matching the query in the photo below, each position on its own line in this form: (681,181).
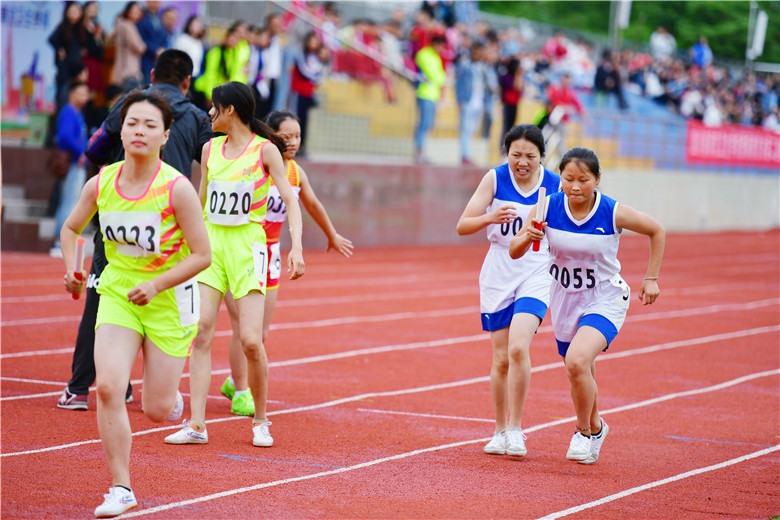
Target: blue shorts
(603,307)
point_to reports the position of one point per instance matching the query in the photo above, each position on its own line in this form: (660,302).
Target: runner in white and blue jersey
(514,294)
(588,298)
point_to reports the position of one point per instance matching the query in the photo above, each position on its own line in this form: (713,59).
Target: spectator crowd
(285,58)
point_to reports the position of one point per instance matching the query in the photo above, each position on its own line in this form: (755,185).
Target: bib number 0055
(574,278)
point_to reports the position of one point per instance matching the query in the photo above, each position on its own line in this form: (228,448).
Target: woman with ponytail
(236,169)
(287,126)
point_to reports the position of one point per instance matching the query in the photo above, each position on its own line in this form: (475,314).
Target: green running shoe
(243,404)
(228,390)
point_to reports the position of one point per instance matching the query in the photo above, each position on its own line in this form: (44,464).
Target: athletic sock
(239,392)
(126,488)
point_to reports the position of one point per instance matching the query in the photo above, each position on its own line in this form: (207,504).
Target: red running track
(380,402)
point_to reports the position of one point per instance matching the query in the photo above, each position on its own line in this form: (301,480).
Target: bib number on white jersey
(275,262)
(511,228)
(260,256)
(277,210)
(188,302)
(229,203)
(574,278)
(135,233)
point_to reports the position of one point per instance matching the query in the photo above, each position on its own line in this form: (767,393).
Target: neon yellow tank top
(237,189)
(140,234)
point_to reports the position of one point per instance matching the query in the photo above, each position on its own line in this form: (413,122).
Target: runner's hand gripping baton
(540,213)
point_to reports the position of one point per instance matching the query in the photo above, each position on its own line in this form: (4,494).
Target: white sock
(239,392)
(231,382)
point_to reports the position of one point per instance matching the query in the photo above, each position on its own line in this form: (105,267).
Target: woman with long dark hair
(71,43)
(236,171)
(287,126)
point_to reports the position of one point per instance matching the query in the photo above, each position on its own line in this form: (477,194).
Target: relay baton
(540,213)
(78,265)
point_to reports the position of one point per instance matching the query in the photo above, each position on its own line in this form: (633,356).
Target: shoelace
(516,436)
(263,428)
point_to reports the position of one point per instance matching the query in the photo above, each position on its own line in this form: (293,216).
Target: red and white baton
(78,265)
(540,213)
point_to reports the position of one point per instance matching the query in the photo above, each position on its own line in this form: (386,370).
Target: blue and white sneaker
(116,501)
(187,435)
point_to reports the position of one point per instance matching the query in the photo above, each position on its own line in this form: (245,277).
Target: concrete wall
(375,203)
(380,205)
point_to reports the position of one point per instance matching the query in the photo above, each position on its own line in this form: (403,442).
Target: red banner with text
(732,145)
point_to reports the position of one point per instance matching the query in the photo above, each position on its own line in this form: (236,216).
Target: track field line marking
(431,415)
(401,279)
(65,350)
(639,404)
(297,302)
(454,341)
(365,319)
(401,295)
(35,381)
(442,447)
(650,485)
(737,306)
(440,386)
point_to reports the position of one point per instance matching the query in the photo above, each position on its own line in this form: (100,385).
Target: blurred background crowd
(287,53)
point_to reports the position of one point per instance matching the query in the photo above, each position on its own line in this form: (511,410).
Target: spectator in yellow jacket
(431,81)
(226,62)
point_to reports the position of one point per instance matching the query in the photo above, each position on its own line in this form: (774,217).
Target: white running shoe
(261,436)
(116,501)
(596,442)
(515,442)
(178,408)
(497,445)
(187,435)
(579,448)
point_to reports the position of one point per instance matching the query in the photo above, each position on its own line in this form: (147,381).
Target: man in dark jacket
(191,129)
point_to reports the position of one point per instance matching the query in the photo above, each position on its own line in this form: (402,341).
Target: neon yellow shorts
(169,320)
(239,259)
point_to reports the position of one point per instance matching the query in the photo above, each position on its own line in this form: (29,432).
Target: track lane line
(454,341)
(726,307)
(442,447)
(657,483)
(427,388)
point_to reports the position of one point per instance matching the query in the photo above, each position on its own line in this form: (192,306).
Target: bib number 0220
(229,202)
(575,278)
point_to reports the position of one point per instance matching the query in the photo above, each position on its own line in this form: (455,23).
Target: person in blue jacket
(71,137)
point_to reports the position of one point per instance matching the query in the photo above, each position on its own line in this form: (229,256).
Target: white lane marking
(413,453)
(465,339)
(650,485)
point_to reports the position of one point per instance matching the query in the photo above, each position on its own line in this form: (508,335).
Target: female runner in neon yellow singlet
(234,191)
(286,126)
(156,243)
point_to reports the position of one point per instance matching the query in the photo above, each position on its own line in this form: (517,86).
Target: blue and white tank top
(583,253)
(507,192)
